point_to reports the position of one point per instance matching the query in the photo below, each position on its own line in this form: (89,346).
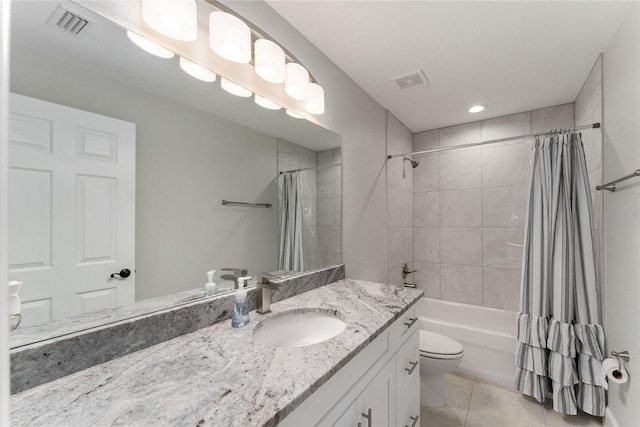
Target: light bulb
(235,89)
(294,115)
(229,37)
(149,46)
(315,99)
(266,103)
(296,81)
(269,61)
(197,71)
(177,19)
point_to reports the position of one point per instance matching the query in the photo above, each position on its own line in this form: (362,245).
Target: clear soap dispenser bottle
(240,316)
(210,286)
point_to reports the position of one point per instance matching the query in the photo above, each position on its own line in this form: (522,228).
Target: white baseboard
(609,419)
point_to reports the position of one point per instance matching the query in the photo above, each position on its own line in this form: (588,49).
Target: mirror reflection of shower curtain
(290,255)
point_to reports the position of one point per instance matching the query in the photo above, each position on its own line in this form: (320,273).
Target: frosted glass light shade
(197,71)
(234,89)
(229,37)
(269,61)
(266,103)
(177,19)
(314,103)
(296,82)
(294,115)
(149,46)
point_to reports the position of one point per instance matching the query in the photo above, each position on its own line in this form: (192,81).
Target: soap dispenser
(210,286)
(240,316)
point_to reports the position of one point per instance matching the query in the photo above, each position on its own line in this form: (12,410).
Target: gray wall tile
(461,208)
(288,152)
(461,283)
(426,242)
(506,126)
(426,177)
(426,140)
(504,206)
(394,207)
(461,169)
(394,247)
(427,278)
(461,245)
(590,95)
(460,134)
(426,207)
(407,209)
(502,247)
(506,165)
(501,288)
(558,117)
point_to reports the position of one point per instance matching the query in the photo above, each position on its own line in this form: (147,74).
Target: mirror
(120,160)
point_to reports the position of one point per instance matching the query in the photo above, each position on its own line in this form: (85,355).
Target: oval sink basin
(299,328)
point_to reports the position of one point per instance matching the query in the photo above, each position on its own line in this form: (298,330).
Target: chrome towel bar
(611,186)
(254,205)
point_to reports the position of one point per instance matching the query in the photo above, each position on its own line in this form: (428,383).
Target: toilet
(439,355)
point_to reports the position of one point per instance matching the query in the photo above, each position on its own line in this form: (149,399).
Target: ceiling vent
(69,21)
(411,80)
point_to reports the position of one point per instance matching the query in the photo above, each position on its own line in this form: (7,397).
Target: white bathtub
(486,334)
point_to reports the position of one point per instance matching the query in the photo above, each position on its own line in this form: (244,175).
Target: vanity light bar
(234,39)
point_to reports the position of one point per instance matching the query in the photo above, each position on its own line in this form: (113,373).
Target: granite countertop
(217,375)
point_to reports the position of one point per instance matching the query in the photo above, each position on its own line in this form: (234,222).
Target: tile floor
(476,403)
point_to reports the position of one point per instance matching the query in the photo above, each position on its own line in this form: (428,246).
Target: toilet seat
(436,346)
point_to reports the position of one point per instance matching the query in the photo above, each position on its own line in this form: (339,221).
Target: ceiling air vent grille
(68,21)
(411,80)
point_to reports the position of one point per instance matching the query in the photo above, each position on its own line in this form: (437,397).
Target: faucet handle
(266,278)
(237,272)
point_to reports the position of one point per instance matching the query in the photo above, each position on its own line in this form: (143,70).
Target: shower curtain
(290,256)
(560,343)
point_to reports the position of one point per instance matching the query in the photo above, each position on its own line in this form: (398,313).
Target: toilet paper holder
(624,355)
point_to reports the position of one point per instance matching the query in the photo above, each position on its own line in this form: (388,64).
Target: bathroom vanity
(223,376)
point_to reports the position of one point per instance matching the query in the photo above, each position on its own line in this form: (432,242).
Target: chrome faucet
(264,291)
(237,273)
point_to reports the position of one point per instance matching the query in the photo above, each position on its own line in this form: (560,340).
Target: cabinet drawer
(407,366)
(409,413)
(406,325)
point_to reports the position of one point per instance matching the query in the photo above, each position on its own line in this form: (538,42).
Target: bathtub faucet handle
(406,270)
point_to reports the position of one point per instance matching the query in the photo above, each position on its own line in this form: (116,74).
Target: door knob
(124,273)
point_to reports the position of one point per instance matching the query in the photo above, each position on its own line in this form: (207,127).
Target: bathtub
(486,334)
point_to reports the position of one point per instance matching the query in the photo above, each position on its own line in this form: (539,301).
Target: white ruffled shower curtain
(560,343)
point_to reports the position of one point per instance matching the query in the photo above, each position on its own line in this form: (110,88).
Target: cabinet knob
(415,421)
(369,417)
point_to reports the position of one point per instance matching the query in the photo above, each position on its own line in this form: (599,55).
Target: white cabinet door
(349,418)
(375,403)
(71,209)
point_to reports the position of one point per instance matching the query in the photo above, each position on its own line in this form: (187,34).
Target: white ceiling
(511,56)
(104,48)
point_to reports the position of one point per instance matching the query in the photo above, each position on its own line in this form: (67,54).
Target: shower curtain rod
(493,141)
(308,169)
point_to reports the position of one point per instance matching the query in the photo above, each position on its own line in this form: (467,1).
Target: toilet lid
(436,344)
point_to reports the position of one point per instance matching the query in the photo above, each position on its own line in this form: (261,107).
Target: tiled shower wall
(293,156)
(322,201)
(330,207)
(589,110)
(469,208)
(399,201)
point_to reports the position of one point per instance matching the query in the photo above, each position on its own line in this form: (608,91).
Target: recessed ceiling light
(477,108)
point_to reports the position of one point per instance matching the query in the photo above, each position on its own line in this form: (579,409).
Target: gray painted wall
(621,108)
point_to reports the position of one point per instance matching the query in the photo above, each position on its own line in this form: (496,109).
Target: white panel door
(71,209)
